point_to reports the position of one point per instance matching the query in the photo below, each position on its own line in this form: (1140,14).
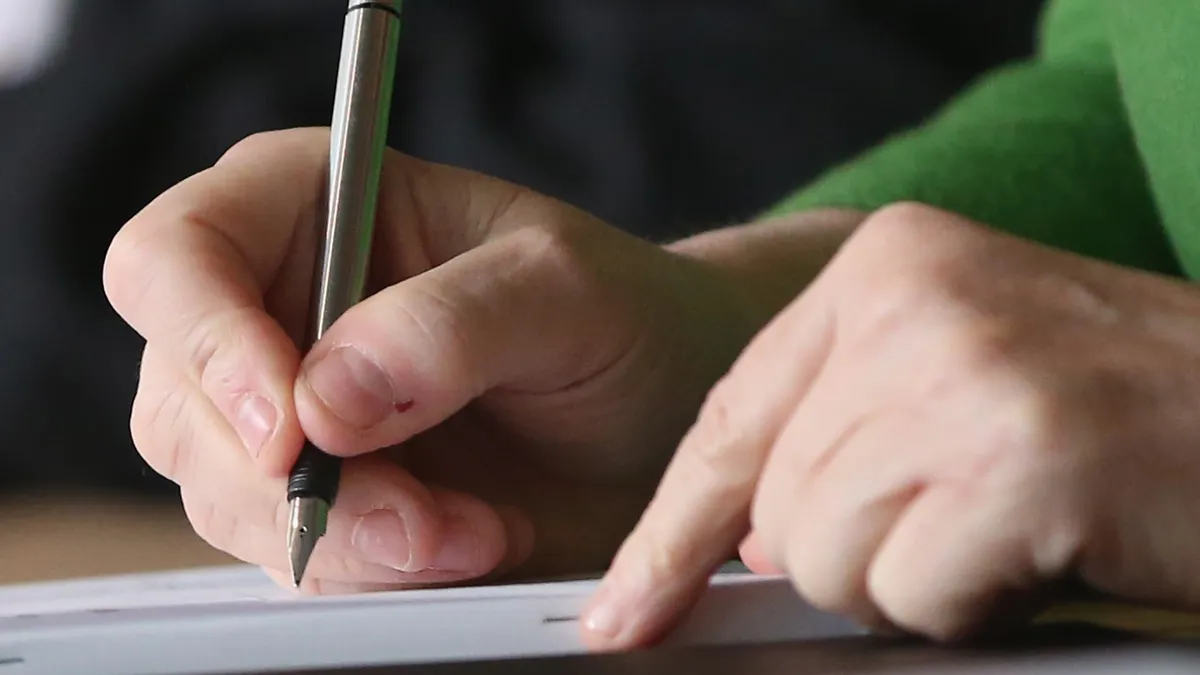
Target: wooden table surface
(47,537)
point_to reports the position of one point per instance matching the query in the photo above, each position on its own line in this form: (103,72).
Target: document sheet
(234,619)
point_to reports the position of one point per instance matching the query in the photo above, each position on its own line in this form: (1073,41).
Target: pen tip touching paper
(306,525)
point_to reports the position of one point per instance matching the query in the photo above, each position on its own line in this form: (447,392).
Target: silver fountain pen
(358,142)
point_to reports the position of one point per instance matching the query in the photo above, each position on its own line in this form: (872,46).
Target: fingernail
(352,387)
(602,616)
(460,548)
(381,538)
(255,423)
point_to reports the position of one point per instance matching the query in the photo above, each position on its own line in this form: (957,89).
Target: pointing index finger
(701,510)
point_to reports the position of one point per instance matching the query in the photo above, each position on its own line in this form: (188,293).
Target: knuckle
(250,146)
(1033,426)
(984,348)
(557,245)
(902,214)
(903,226)
(922,228)
(936,281)
(568,252)
(718,439)
(893,293)
(200,346)
(126,276)
(268,143)
(209,348)
(929,245)
(162,432)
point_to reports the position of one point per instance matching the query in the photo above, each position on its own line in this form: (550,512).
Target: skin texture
(946,425)
(925,424)
(506,399)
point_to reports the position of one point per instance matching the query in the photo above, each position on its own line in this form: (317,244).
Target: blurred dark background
(663,116)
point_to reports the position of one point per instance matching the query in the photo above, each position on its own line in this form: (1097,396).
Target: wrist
(769,262)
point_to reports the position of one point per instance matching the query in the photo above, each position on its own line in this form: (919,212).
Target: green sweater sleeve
(1041,149)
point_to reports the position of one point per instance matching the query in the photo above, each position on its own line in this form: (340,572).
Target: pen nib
(306,525)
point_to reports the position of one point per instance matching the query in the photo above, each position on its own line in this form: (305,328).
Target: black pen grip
(316,474)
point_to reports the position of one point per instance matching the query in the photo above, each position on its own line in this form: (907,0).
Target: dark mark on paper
(560,619)
(11,661)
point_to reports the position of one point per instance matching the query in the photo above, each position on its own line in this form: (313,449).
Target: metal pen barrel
(359,135)
(358,142)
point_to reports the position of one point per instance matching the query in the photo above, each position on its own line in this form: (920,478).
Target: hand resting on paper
(945,425)
(507,399)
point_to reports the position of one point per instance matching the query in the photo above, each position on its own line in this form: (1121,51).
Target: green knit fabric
(1045,149)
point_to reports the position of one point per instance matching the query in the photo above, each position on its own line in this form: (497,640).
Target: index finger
(701,510)
(216,240)
(190,270)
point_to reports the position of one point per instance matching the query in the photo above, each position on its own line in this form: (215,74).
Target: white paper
(234,619)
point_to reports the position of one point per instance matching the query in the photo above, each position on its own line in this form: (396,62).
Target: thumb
(409,357)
